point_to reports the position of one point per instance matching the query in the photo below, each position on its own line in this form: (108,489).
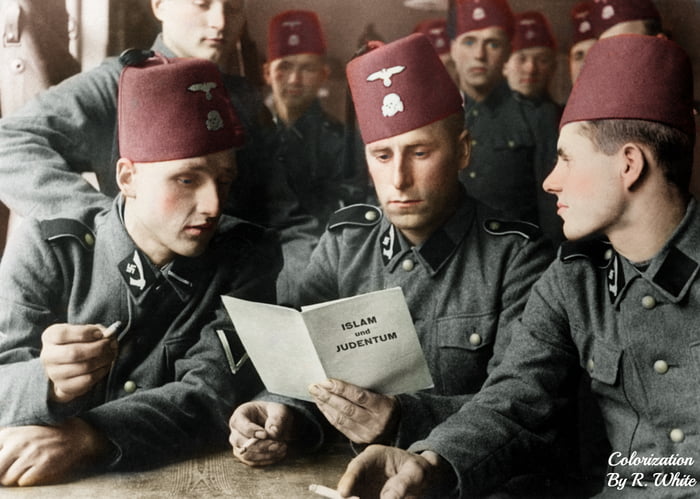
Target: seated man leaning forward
(622,301)
(465,272)
(155,384)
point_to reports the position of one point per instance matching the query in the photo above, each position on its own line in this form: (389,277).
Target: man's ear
(465,149)
(266,73)
(126,170)
(156,8)
(635,165)
(326,71)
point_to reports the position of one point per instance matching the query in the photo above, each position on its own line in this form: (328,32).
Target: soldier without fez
(624,306)
(465,273)
(156,385)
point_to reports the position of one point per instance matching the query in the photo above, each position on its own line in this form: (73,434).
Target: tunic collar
(674,269)
(300,127)
(434,253)
(136,270)
(493,101)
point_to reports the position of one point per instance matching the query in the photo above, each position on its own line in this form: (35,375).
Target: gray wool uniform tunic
(173,385)
(463,287)
(636,330)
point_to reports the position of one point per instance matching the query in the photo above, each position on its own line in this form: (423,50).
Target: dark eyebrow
(561,152)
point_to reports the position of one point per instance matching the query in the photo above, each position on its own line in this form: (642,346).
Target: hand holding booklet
(368,340)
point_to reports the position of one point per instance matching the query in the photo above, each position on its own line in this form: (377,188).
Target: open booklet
(368,340)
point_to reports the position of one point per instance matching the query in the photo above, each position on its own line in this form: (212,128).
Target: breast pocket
(465,346)
(604,363)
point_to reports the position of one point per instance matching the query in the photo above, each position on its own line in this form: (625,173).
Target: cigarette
(247,444)
(324,491)
(111,329)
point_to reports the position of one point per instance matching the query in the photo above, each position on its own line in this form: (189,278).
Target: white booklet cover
(368,340)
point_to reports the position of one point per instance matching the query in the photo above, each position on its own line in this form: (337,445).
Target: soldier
(465,271)
(34,55)
(583,37)
(307,144)
(617,17)
(513,140)
(157,261)
(436,31)
(71,128)
(532,62)
(621,301)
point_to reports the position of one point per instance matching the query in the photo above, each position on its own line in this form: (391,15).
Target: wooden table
(215,475)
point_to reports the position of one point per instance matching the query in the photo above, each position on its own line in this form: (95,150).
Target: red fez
(472,15)
(634,77)
(608,13)
(532,29)
(174,109)
(399,87)
(581,21)
(295,32)
(436,31)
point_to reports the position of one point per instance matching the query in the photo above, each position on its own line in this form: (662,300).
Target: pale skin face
(589,185)
(295,81)
(479,57)
(577,55)
(205,29)
(173,207)
(529,70)
(415,177)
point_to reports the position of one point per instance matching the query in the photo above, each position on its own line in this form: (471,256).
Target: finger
(78,385)
(62,334)
(348,391)
(355,475)
(247,422)
(11,469)
(410,479)
(278,422)
(102,351)
(261,453)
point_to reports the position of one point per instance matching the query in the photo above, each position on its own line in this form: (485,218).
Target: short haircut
(671,148)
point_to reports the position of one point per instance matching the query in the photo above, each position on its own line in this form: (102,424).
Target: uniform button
(408,265)
(475,339)
(371,216)
(474,142)
(608,254)
(475,112)
(661,366)
(472,174)
(590,365)
(129,387)
(89,239)
(676,435)
(494,225)
(648,302)
(511,144)
(18,66)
